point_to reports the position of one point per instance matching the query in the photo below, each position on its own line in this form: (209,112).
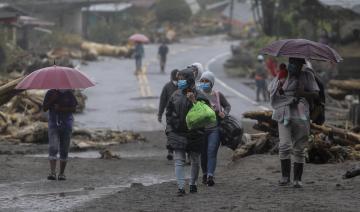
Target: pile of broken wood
(327,143)
(23,121)
(90,51)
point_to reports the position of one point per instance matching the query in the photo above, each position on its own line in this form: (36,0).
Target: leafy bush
(172,11)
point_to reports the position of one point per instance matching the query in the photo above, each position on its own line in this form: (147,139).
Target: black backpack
(317,105)
(230,132)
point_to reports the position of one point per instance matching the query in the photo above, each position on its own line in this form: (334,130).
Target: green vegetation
(172,11)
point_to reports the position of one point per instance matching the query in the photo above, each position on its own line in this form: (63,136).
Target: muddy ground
(144,181)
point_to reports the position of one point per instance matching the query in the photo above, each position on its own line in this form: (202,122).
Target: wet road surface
(124,101)
(121,101)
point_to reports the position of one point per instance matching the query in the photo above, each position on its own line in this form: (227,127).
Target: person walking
(290,102)
(166,93)
(212,140)
(198,69)
(162,53)
(138,54)
(180,138)
(260,79)
(61,104)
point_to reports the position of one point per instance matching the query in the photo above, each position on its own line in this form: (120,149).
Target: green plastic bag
(200,115)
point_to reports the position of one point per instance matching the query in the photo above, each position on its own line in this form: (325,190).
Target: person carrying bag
(211,145)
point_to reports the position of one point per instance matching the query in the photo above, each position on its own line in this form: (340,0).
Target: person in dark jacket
(61,104)
(162,52)
(221,107)
(138,54)
(166,93)
(180,138)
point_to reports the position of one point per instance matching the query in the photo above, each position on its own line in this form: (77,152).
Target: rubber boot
(298,171)
(285,171)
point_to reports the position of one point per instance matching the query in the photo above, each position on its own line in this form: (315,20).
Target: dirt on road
(142,180)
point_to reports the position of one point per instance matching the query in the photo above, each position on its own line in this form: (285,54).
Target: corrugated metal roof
(110,7)
(350,4)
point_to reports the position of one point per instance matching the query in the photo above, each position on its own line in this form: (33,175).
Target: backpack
(317,106)
(230,132)
(230,129)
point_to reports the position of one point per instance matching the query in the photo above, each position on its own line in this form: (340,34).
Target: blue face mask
(205,86)
(182,84)
(292,69)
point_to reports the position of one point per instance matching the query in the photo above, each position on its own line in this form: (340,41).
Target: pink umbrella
(55,77)
(139,38)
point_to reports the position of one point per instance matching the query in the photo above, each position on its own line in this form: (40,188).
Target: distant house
(146,4)
(17,25)
(242,18)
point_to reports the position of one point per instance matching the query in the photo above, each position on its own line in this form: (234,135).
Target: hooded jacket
(179,136)
(167,91)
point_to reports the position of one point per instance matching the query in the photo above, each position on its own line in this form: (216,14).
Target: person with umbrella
(291,110)
(60,103)
(291,100)
(139,52)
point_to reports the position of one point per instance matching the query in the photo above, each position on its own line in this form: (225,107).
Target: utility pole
(231,16)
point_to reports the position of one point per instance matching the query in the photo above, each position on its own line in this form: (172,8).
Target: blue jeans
(59,139)
(180,157)
(209,152)
(138,63)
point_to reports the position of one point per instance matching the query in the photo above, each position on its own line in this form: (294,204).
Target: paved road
(120,100)
(124,101)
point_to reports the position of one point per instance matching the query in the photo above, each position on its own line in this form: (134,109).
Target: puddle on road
(69,199)
(144,98)
(144,109)
(122,154)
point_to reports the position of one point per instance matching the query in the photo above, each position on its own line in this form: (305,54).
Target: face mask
(182,84)
(205,86)
(292,69)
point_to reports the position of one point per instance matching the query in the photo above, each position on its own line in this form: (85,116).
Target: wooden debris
(107,154)
(352,173)
(258,144)
(346,85)
(99,138)
(105,49)
(327,144)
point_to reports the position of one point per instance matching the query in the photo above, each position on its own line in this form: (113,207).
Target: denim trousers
(59,141)
(138,63)
(210,150)
(180,157)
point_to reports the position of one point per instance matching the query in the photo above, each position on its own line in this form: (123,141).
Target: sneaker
(51,177)
(204,179)
(61,177)
(181,192)
(298,184)
(170,157)
(284,181)
(210,181)
(193,189)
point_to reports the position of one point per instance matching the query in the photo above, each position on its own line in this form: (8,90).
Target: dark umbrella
(302,48)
